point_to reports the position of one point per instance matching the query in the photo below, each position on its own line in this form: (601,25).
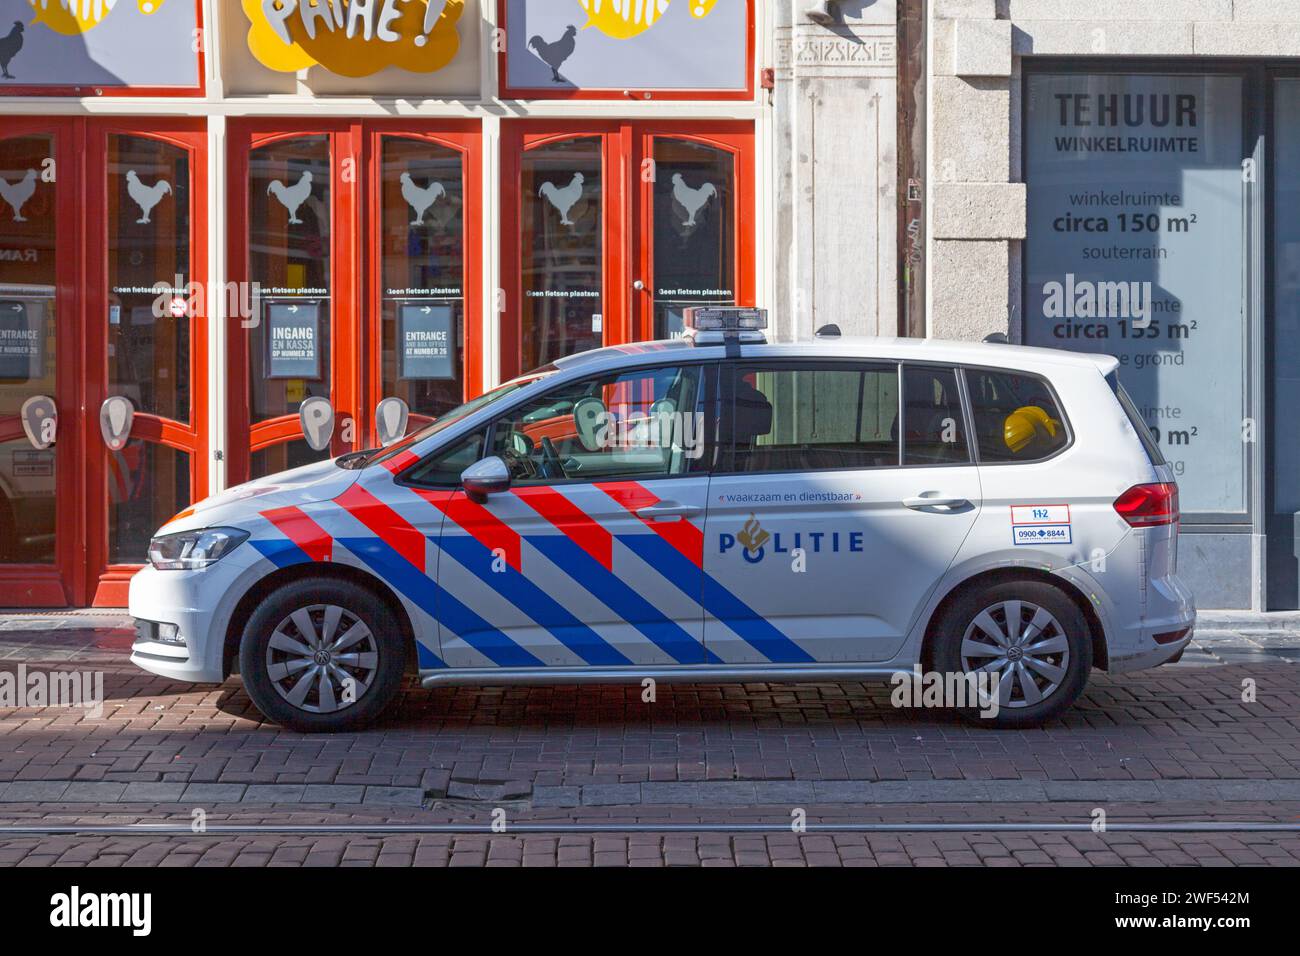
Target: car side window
(442,468)
(815,417)
(934,432)
(1016,416)
(628,425)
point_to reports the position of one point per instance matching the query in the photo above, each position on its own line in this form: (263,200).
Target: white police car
(713,508)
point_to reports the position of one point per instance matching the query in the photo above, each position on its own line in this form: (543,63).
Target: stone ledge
(1272,11)
(1247,39)
(967,9)
(1151,10)
(978,211)
(981,48)
(1100,38)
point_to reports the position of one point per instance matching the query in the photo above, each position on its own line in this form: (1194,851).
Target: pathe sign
(354,38)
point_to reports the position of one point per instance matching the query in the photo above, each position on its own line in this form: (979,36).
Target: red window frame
(508,92)
(113,91)
(628,250)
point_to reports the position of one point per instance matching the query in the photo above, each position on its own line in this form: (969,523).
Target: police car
(711,508)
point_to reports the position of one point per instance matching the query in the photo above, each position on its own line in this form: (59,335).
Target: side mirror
(486,477)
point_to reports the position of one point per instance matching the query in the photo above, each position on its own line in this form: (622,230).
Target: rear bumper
(1170,609)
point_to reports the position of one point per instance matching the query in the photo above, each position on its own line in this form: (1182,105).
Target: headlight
(190,550)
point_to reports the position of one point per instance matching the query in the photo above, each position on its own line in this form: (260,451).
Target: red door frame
(466,138)
(109,582)
(628,249)
(62,583)
(81,574)
(735,137)
(519,136)
(355,342)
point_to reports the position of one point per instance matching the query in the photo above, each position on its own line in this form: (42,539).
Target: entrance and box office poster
(22,341)
(293,340)
(1135,248)
(426,335)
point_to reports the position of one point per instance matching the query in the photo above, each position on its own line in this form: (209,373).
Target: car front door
(593,557)
(844,497)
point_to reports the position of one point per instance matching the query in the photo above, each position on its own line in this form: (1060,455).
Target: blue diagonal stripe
(438,604)
(753,628)
(532,600)
(669,636)
(281,552)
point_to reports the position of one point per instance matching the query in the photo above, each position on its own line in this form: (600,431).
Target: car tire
(314,643)
(1046,664)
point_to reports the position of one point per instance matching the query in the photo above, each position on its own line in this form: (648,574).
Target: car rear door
(843,497)
(593,558)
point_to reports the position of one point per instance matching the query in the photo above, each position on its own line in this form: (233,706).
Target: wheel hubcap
(322,658)
(1023,646)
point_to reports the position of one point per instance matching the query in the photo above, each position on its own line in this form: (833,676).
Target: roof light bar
(713,325)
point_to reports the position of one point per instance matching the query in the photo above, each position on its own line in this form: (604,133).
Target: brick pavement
(1176,741)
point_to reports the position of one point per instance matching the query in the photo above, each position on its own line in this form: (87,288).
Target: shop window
(1135,248)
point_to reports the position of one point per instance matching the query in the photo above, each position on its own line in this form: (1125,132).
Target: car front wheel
(1028,644)
(322,655)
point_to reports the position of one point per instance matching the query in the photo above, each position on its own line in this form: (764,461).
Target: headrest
(753,412)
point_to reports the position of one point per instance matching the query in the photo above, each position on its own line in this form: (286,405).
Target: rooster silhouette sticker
(10,45)
(17,194)
(691,201)
(146,197)
(291,197)
(554,54)
(420,199)
(563,199)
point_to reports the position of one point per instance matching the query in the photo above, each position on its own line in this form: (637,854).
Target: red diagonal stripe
(577,525)
(302,530)
(482,525)
(392,528)
(401,460)
(681,534)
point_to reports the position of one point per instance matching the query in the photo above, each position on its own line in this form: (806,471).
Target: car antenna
(829,331)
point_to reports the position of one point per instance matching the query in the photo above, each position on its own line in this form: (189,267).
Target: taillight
(1144,506)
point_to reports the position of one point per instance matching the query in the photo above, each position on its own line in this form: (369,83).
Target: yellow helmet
(1025,424)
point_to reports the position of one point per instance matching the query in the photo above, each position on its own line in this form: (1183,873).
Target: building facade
(214,214)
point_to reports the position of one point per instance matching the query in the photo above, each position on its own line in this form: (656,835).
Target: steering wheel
(552,467)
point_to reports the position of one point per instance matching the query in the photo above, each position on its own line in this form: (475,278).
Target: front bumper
(198,604)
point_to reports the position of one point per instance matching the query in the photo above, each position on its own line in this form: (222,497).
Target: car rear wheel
(1027,640)
(321,655)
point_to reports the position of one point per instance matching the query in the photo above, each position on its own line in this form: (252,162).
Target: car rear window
(1135,419)
(1016,416)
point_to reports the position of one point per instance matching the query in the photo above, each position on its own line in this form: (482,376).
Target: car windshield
(455,415)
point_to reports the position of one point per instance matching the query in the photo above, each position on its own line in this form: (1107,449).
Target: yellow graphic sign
(74,17)
(624,19)
(354,37)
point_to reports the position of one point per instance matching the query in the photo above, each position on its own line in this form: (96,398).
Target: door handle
(921,502)
(666,509)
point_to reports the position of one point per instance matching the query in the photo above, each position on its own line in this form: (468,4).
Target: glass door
(611,230)
(358,244)
(695,218)
(425,275)
(289,341)
(39,479)
(149,398)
